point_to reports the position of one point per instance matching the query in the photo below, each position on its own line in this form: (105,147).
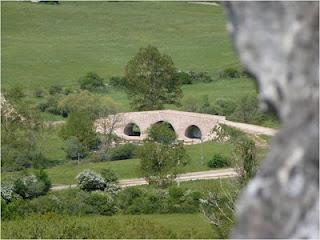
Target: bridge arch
(193,132)
(132,130)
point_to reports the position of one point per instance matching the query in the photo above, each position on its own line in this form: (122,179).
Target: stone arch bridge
(189,127)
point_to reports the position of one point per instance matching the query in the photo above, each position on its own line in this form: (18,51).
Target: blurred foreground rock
(278,42)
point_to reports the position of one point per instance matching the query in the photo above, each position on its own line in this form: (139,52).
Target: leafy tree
(21,129)
(160,162)
(92,82)
(162,133)
(81,125)
(151,80)
(243,150)
(74,149)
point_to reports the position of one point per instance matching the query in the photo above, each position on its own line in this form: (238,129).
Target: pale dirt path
(211,174)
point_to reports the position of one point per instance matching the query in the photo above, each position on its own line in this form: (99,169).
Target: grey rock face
(278,42)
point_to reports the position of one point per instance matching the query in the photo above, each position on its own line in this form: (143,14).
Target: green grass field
(46,44)
(119,226)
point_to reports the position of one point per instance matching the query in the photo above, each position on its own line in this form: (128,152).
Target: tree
(81,125)
(92,82)
(74,149)
(162,133)
(219,209)
(151,80)
(160,162)
(247,109)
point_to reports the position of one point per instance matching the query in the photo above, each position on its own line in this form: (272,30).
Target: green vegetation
(66,173)
(151,80)
(60,50)
(219,161)
(101,227)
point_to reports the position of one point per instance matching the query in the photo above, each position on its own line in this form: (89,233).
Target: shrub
(32,186)
(184,77)
(50,105)
(15,93)
(218,161)
(227,106)
(74,149)
(200,77)
(39,93)
(43,177)
(55,89)
(121,152)
(92,82)
(118,82)
(230,73)
(7,192)
(67,91)
(101,203)
(109,176)
(90,181)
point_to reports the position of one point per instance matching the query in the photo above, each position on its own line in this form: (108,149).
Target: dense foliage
(162,132)
(218,161)
(26,187)
(151,81)
(160,163)
(81,125)
(92,82)
(121,152)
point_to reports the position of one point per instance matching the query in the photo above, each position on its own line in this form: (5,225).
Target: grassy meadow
(45,44)
(119,226)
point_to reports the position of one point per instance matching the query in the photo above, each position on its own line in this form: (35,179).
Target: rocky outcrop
(278,43)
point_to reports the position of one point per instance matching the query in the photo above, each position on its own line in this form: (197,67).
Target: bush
(230,73)
(67,91)
(92,82)
(218,161)
(50,105)
(7,192)
(90,181)
(15,93)
(39,93)
(227,106)
(109,176)
(184,77)
(118,82)
(101,203)
(200,77)
(121,152)
(55,89)
(32,186)
(74,149)
(162,133)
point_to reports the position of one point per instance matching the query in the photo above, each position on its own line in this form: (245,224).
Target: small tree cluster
(151,80)
(91,181)
(92,82)
(26,187)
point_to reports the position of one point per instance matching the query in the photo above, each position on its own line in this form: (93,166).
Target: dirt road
(211,174)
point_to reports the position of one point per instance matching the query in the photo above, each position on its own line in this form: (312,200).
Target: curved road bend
(204,175)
